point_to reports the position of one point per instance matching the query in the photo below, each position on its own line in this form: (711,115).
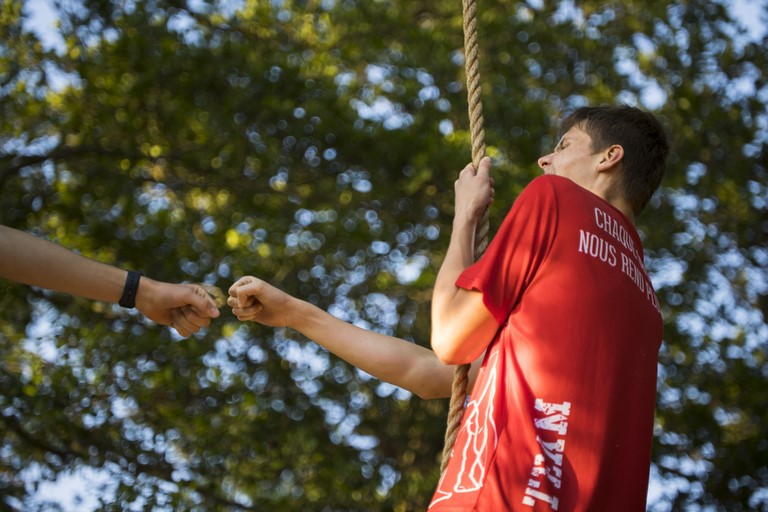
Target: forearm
(393,360)
(447,306)
(458,257)
(474,194)
(37,262)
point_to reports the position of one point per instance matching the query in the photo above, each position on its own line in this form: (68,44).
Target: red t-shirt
(561,415)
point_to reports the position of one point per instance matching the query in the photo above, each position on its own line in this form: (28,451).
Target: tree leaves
(315,144)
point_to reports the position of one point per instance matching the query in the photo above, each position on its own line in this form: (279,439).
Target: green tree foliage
(314,144)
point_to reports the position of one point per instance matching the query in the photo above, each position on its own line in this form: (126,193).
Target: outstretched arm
(399,362)
(462,327)
(31,260)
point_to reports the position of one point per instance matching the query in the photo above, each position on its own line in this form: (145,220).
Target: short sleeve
(517,251)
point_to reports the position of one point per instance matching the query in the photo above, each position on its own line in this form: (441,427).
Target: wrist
(144,293)
(304,317)
(464,221)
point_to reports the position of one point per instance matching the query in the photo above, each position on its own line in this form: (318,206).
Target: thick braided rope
(477,138)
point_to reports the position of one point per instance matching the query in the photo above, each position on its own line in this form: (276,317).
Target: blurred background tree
(314,144)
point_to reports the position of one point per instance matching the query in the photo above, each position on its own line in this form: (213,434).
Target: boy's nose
(545,161)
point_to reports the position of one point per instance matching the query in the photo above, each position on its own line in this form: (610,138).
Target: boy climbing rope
(560,312)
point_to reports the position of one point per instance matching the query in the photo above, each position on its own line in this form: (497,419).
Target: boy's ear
(610,157)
